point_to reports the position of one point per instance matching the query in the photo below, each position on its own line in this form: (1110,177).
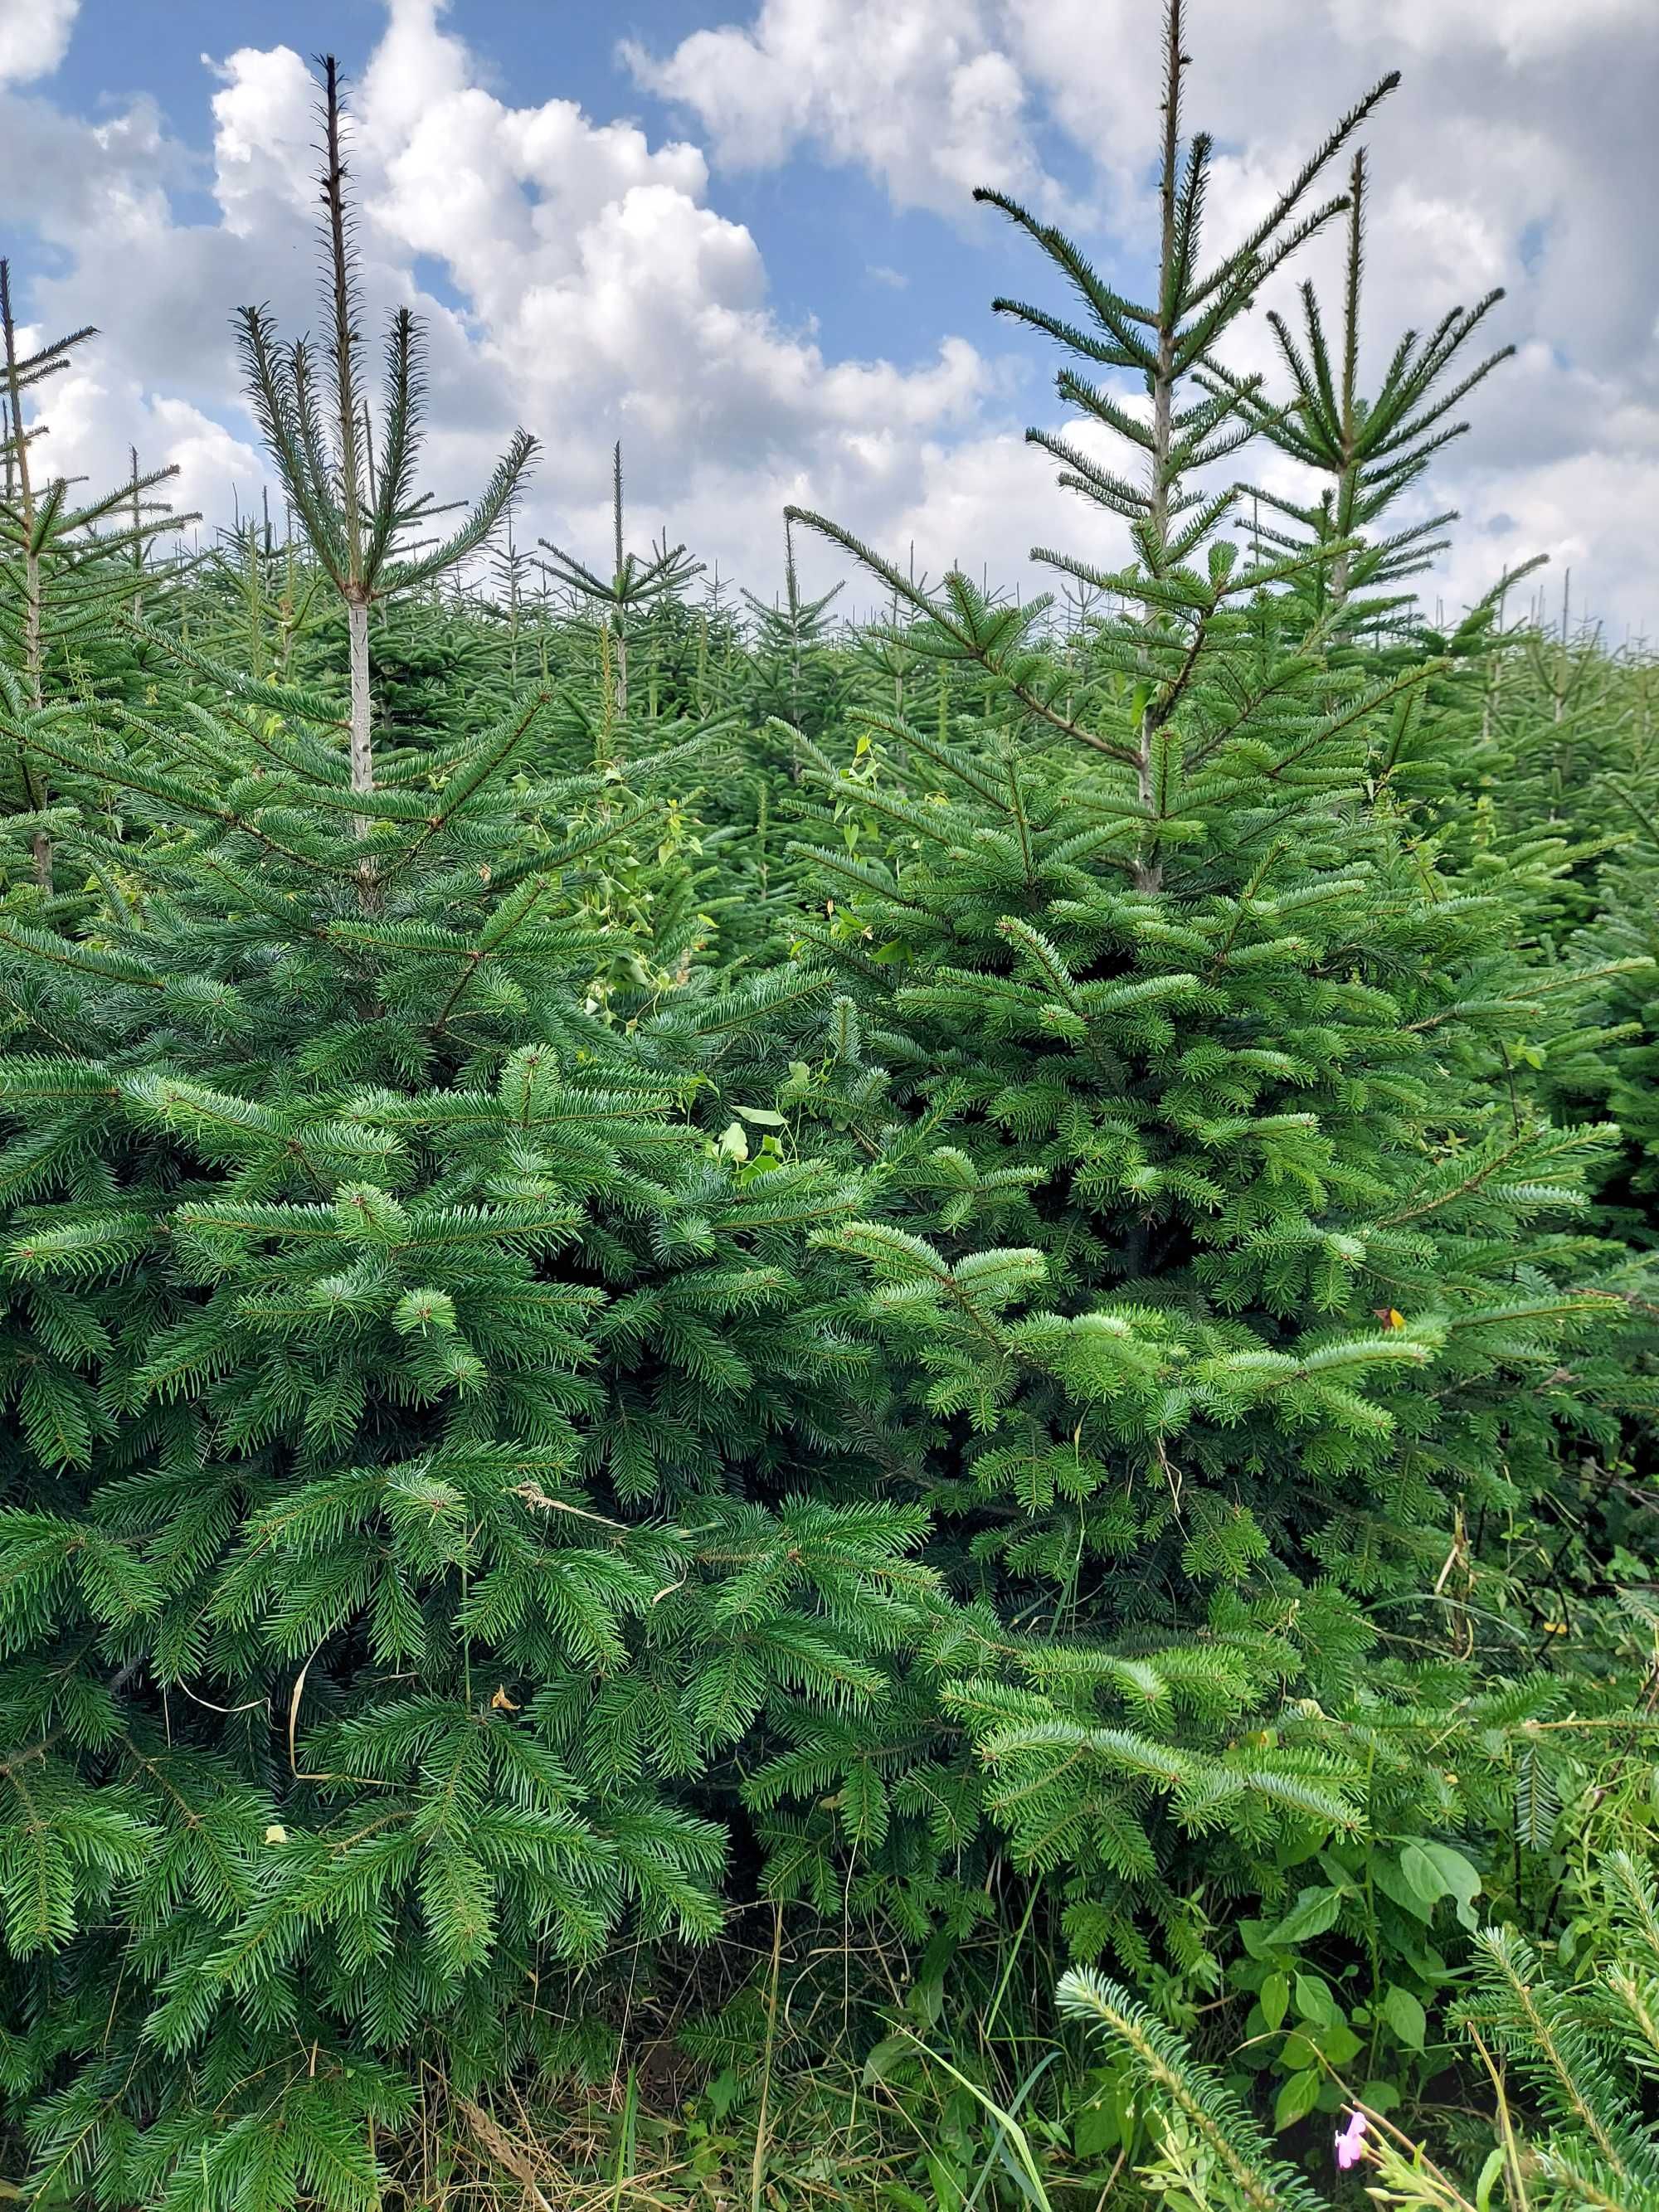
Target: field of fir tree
(805,1411)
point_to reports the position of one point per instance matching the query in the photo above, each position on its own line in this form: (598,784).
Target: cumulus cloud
(34,35)
(264,132)
(591,292)
(1514,156)
(924,94)
(577,273)
(1521,30)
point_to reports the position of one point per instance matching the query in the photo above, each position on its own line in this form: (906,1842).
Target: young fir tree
(413,1410)
(1233,1295)
(257,602)
(65,560)
(1370,451)
(1443,757)
(635,587)
(792,678)
(357,510)
(434,1446)
(1514,759)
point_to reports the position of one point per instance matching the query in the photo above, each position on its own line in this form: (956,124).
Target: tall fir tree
(426,1413)
(65,560)
(1232,1288)
(580,1383)
(357,515)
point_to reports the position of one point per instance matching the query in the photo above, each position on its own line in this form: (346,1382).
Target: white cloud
(599,294)
(592,288)
(34,35)
(1520,30)
(1512,155)
(923,95)
(606,294)
(264,119)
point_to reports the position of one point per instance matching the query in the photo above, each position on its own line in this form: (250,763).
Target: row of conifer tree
(670,1266)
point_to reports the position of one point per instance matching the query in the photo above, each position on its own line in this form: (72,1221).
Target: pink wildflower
(1348,2143)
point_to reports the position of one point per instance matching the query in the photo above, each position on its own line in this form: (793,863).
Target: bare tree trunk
(1147,867)
(621,621)
(137,543)
(362,752)
(17,471)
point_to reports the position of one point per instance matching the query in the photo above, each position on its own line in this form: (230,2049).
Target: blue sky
(749,247)
(818,243)
(833,241)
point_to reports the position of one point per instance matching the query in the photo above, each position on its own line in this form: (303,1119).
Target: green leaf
(1314,2001)
(1405,2016)
(1489,2173)
(942,2180)
(1313,1911)
(1297,2098)
(723,2092)
(1095,2127)
(1422,1875)
(1390,1878)
(885,2056)
(1275,1999)
(1435,1870)
(1337,2044)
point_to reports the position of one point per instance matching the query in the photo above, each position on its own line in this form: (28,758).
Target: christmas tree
(1229,1283)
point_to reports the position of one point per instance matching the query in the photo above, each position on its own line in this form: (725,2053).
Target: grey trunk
(34,668)
(363,753)
(1149,871)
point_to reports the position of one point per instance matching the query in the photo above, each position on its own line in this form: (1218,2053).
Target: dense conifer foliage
(725,1330)
(1240,1278)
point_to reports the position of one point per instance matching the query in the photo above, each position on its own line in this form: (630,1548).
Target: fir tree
(416,1390)
(636,584)
(415,1393)
(1373,451)
(63,563)
(794,680)
(357,515)
(1228,1282)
